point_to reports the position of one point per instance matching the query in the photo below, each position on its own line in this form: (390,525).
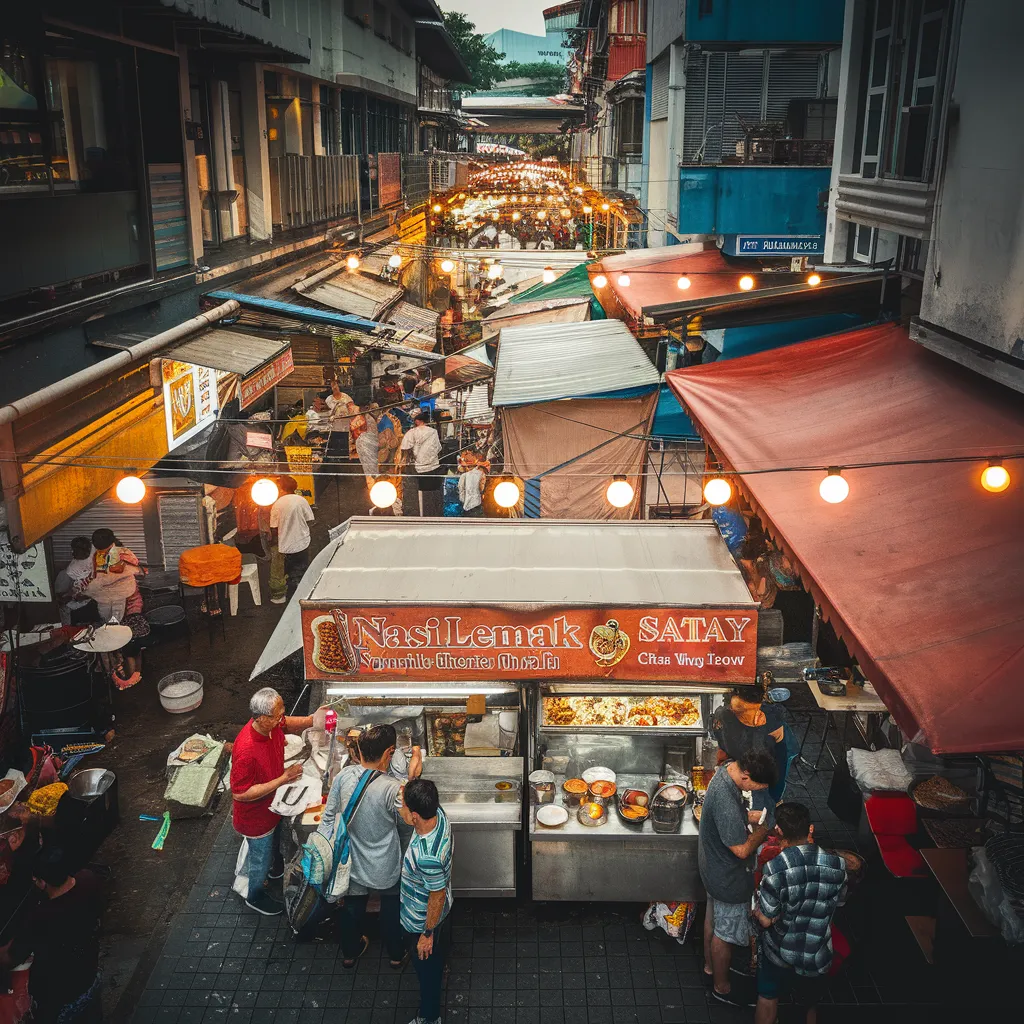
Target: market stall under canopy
(919,569)
(557,563)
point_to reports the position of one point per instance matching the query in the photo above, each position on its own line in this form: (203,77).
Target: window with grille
(380,19)
(358,10)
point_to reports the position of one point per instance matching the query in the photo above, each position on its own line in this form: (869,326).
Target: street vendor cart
(529,655)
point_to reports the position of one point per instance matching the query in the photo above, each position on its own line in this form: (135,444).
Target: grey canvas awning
(233,351)
(351,292)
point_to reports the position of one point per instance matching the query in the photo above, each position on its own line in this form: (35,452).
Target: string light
(600,281)
(623,280)
(506,493)
(516,215)
(620,492)
(834,488)
(494,271)
(352,262)
(995,477)
(717,491)
(436,207)
(130,489)
(395,261)
(264,492)
(588,210)
(605,207)
(683,283)
(548,275)
(814,280)
(746,282)
(495,215)
(541,214)
(383,493)
(447,266)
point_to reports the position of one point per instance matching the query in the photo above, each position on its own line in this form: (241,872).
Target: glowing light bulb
(541,214)
(605,207)
(548,275)
(600,281)
(995,477)
(834,487)
(495,215)
(352,263)
(506,493)
(620,492)
(623,280)
(395,261)
(447,266)
(264,492)
(383,494)
(494,271)
(436,207)
(516,215)
(814,279)
(746,282)
(683,283)
(588,210)
(717,491)
(130,489)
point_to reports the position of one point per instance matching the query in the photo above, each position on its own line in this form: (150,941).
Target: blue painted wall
(751,200)
(524,48)
(766,21)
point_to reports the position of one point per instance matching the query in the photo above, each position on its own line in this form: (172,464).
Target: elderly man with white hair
(257,772)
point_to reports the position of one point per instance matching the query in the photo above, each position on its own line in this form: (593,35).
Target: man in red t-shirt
(257,772)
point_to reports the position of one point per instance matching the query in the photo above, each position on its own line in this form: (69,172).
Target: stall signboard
(23,577)
(190,400)
(773,245)
(260,381)
(698,645)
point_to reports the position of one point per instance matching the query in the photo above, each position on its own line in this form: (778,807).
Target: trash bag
(675,919)
(985,887)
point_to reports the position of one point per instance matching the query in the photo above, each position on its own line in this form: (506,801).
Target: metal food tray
(695,728)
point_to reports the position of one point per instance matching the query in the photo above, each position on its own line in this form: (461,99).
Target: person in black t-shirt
(744,723)
(62,934)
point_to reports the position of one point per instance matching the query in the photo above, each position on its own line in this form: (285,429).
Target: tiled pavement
(516,962)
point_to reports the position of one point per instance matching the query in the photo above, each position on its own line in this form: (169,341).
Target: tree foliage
(482,59)
(549,79)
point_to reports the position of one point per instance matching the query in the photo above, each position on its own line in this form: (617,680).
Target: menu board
(621,712)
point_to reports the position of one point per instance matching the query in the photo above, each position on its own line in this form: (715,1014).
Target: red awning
(920,569)
(654,275)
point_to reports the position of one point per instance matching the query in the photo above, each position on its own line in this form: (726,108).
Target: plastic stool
(250,575)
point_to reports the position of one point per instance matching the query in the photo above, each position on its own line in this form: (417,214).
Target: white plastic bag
(241,882)
(987,890)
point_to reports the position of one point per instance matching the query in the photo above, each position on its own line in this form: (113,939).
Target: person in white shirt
(422,440)
(341,409)
(471,489)
(318,419)
(289,529)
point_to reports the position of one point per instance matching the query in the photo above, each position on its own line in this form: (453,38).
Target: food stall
(537,646)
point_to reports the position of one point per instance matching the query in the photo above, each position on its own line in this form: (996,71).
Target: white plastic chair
(250,575)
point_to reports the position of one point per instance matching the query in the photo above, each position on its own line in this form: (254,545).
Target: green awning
(574,284)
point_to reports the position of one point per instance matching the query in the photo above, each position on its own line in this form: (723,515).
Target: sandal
(349,964)
(127,684)
(397,965)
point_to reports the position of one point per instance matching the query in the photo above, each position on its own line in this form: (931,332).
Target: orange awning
(920,569)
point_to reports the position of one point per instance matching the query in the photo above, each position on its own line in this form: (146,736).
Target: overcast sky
(490,15)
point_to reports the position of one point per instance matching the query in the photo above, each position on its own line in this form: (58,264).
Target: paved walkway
(518,962)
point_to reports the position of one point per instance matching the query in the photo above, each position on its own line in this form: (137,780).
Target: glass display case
(644,739)
(473,759)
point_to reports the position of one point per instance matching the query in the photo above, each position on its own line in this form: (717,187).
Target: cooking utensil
(593,774)
(552,816)
(571,798)
(592,814)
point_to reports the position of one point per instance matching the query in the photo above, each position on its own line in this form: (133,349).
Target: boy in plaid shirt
(800,890)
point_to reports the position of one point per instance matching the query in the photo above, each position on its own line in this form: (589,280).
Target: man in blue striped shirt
(427,891)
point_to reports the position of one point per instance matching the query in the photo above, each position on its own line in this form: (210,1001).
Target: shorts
(731,921)
(774,982)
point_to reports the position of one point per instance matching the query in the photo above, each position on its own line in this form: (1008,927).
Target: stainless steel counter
(484,820)
(614,861)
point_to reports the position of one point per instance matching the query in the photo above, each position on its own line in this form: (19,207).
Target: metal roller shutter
(693,112)
(714,108)
(659,88)
(124,520)
(744,87)
(181,525)
(792,75)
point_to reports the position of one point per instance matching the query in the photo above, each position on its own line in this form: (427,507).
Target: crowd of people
(389,819)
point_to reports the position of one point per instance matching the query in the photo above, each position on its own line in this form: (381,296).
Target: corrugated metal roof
(352,293)
(567,311)
(414,318)
(548,362)
(229,350)
(538,562)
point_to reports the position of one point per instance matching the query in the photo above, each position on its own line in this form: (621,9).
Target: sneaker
(730,998)
(279,600)
(263,904)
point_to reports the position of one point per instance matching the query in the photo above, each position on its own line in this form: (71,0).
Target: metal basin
(91,783)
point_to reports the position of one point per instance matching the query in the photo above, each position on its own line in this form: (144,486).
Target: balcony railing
(775,151)
(313,189)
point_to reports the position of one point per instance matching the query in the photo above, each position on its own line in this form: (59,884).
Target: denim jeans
(295,567)
(430,972)
(263,852)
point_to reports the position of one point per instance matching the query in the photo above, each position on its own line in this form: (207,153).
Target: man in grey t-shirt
(375,846)
(726,852)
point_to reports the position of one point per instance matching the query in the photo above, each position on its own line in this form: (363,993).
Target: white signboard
(190,400)
(23,577)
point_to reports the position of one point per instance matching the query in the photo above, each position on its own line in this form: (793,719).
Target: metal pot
(90,783)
